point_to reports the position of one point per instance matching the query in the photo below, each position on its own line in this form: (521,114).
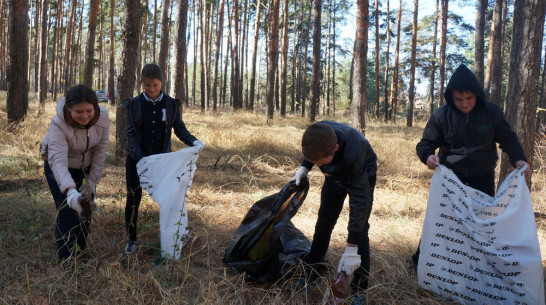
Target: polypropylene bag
(266,243)
(478,249)
(167,178)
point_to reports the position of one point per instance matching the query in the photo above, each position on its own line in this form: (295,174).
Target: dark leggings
(134,196)
(70,228)
(484,183)
(333,195)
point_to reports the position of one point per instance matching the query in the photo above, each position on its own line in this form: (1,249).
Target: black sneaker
(131,246)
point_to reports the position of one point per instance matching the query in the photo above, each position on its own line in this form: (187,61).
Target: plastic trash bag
(167,178)
(267,244)
(478,249)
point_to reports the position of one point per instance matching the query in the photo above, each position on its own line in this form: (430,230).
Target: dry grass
(245,159)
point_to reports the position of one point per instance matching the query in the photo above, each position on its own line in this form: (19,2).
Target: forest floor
(245,159)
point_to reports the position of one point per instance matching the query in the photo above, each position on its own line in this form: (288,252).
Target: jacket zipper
(86,147)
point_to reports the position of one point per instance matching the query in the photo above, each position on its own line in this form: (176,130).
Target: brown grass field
(245,159)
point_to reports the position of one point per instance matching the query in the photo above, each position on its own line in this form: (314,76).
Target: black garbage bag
(267,244)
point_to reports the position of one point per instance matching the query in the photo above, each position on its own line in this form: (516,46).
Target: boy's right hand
(433,162)
(301,174)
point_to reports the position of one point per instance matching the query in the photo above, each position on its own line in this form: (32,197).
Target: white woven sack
(478,249)
(167,178)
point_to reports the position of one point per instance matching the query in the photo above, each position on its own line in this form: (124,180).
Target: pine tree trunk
(3,45)
(315,74)
(479,41)
(522,86)
(180,51)
(409,121)
(43,55)
(126,79)
(443,42)
(387,55)
(37,37)
(394,82)
(272,58)
(541,118)
(496,70)
(433,70)
(90,50)
(494,49)
(111,69)
(359,103)
(219,33)
(377,45)
(164,43)
(284,60)
(17,74)
(304,86)
(255,52)
(154,33)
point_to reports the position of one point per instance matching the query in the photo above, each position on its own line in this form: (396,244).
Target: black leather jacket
(134,122)
(353,163)
(467,142)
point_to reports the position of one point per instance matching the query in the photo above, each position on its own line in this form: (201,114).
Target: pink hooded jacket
(67,147)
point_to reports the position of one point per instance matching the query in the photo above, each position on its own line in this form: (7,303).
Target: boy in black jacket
(466,130)
(350,166)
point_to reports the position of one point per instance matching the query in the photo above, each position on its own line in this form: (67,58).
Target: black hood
(464,79)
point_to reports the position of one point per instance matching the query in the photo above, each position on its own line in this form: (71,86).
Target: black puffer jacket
(134,123)
(467,142)
(353,163)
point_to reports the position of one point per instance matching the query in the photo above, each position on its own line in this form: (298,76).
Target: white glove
(73,200)
(199,145)
(301,174)
(350,260)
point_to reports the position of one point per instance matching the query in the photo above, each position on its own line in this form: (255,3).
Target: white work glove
(350,260)
(73,200)
(301,174)
(199,145)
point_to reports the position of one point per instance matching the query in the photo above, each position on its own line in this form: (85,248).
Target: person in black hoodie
(350,167)
(151,116)
(466,130)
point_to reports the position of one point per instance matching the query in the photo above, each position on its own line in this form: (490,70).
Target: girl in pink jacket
(74,151)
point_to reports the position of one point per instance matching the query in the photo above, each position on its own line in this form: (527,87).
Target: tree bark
(284,59)
(111,69)
(164,43)
(497,61)
(387,55)
(395,68)
(433,70)
(409,121)
(304,86)
(443,42)
(360,94)
(180,51)
(219,31)
(377,45)
(254,54)
(17,74)
(126,79)
(479,41)
(43,55)
(541,118)
(315,74)
(90,49)
(522,87)
(272,58)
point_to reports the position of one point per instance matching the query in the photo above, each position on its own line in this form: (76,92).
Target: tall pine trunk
(443,42)
(111,66)
(219,31)
(17,74)
(254,54)
(360,92)
(284,59)
(433,70)
(90,49)
(272,58)
(179,87)
(395,69)
(479,41)
(126,79)
(377,45)
(409,121)
(43,55)
(387,55)
(315,74)
(164,43)
(522,87)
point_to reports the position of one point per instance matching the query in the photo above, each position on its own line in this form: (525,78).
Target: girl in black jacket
(150,118)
